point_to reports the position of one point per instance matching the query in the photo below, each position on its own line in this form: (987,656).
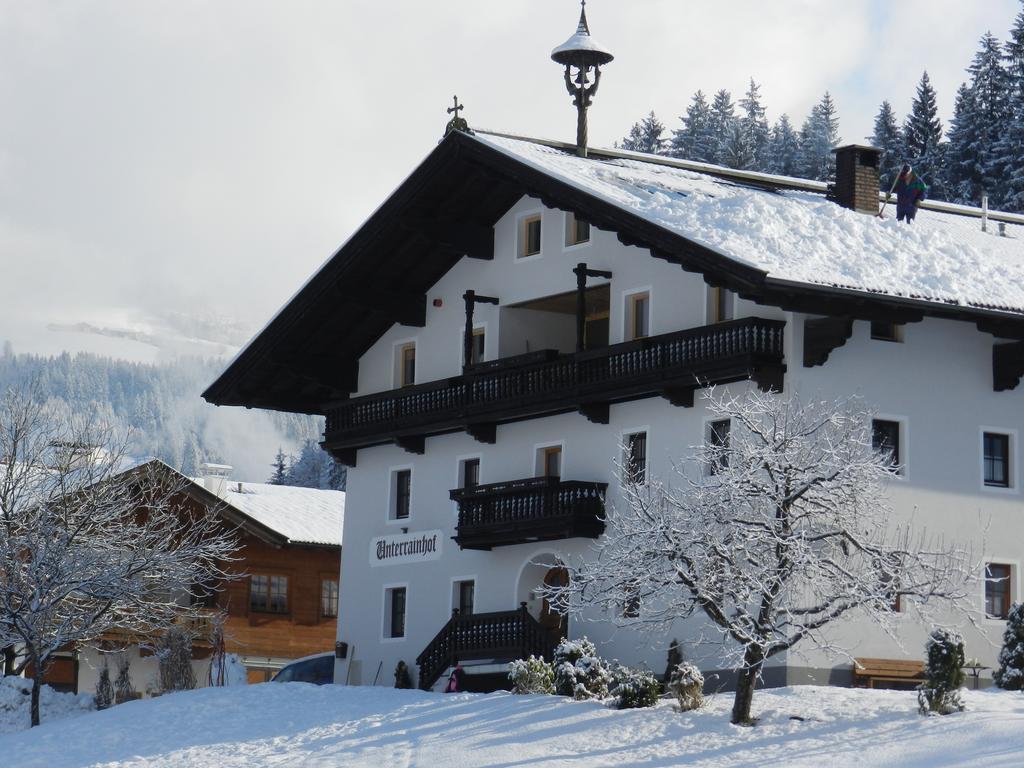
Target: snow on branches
(775,528)
(88,547)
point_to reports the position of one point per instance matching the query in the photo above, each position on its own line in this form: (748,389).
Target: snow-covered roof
(302,515)
(797,234)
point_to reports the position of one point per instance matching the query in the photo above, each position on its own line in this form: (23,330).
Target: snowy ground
(15,712)
(295,724)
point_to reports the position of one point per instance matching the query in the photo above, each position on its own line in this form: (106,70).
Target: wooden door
(558,623)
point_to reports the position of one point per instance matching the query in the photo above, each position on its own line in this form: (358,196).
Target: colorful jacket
(910,192)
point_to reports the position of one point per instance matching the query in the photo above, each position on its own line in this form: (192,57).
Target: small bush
(1010,674)
(686,684)
(532,675)
(579,672)
(634,688)
(104,696)
(402,677)
(944,674)
(124,689)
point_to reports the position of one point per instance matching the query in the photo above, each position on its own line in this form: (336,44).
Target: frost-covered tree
(887,138)
(694,141)
(737,152)
(280,467)
(818,137)
(124,688)
(1010,674)
(962,170)
(104,694)
(85,546)
(771,535)
(173,651)
(783,148)
(922,138)
(721,120)
(647,135)
(1009,149)
(944,674)
(754,128)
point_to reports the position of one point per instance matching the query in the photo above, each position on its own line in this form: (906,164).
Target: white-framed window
(405,363)
(716,437)
(889,437)
(719,304)
(998,459)
(400,494)
(577,231)
(528,235)
(637,315)
(634,456)
(1000,588)
(885,330)
(548,461)
(396,597)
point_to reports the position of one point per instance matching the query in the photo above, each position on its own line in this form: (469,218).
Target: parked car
(317,669)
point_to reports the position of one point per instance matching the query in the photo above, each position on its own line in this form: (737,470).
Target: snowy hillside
(296,724)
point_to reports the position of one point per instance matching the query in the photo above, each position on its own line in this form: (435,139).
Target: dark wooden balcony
(502,636)
(521,511)
(542,383)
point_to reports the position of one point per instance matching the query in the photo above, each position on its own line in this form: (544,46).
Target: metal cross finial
(457,106)
(457,123)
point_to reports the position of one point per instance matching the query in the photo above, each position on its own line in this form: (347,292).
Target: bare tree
(86,547)
(775,528)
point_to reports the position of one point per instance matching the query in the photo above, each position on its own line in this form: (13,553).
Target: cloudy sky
(168,166)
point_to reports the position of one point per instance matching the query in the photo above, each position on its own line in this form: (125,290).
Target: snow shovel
(881,213)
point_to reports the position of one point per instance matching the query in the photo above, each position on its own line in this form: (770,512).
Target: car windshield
(319,670)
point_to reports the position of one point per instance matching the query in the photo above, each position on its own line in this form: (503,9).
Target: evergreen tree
(944,674)
(754,130)
(818,137)
(922,138)
(962,170)
(737,152)
(646,136)
(280,469)
(783,147)
(1010,146)
(694,140)
(1010,674)
(887,138)
(720,123)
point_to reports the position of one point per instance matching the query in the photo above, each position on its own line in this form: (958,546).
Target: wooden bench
(868,672)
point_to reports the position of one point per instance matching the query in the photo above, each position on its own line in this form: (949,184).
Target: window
(329,598)
(882,330)
(394,608)
(477,347)
(549,461)
(470,475)
(718,445)
(407,365)
(464,594)
(996,448)
(997,590)
(268,594)
(720,305)
(529,236)
(577,231)
(403,494)
(638,307)
(635,460)
(885,439)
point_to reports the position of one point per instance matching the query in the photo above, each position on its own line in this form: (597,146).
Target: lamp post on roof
(581,53)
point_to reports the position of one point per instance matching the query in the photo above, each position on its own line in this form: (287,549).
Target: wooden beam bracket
(822,335)
(412,444)
(483,433)
(679,396)
(1007,365)
(595,412)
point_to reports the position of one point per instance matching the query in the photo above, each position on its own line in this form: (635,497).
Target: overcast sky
(203,158)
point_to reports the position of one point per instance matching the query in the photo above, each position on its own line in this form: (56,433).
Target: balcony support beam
(472,299)
(412,444)
(483,433)
(1007,365)
(582,273)
(679,396)
(598,413)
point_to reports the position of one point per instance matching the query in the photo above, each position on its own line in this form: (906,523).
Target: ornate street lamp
(582,53)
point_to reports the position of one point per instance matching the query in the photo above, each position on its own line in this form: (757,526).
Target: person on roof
(910,191)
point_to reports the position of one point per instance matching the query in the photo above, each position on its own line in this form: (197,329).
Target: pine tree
(887,138)
(944,674)
(754,128)
(961,157)
(783,147)
(922,138)
(280,466)
(720,123)
(1010,674)
(646,136)
(694,141)
(737,152)
(1010,146)
(818,137)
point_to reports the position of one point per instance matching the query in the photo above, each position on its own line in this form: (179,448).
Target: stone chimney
(215,478)
(857,180)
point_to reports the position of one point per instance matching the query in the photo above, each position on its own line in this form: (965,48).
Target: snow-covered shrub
(402,677)
(15,699)
(634,688)
(579,672)
(124,688)
(1010,674)
(104,696)
(532,675)
(944,674)
(686,683)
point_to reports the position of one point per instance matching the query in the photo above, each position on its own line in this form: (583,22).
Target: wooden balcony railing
(502,636)
(672,365)
(519,511)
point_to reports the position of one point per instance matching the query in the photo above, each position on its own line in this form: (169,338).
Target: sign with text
(406,548)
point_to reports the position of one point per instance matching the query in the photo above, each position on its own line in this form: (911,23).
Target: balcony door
(554,617)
